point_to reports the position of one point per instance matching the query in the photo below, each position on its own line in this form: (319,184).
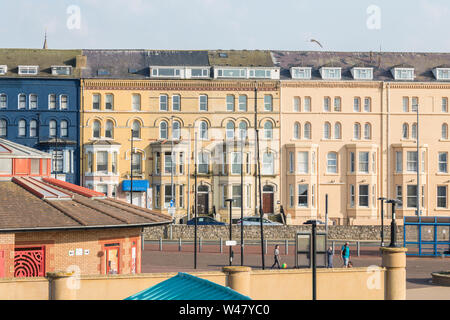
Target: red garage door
(29,262)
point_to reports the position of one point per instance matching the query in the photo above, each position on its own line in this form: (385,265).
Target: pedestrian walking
(330,257)
(345,254)
(276,256)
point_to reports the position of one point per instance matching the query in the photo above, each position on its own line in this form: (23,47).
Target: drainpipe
(388,93)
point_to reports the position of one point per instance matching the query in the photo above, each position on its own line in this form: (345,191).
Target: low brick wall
(270,232)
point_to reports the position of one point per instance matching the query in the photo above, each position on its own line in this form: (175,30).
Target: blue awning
(138,185)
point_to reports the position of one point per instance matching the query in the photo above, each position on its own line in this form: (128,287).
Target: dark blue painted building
(40,104)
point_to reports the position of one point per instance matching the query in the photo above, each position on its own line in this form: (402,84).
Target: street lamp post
(242,203)
(382,219)
(131,168)
(394,202)
(230,201)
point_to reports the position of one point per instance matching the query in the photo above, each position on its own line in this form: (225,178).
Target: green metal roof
(184,286)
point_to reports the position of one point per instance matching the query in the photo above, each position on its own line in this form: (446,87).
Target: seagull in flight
(313,40)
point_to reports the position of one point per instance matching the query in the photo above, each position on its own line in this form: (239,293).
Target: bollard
(286,245)
(394,260)
(238,279)
(160,244)
(179,244)
(221,244)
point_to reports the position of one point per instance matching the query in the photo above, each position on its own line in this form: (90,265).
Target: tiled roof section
(44,58)
(237,58)
(134,64)
(383,62)
(10,149)
(23,210)
(184,286)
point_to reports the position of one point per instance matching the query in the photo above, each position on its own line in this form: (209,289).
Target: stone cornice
(206,85)
(331,84)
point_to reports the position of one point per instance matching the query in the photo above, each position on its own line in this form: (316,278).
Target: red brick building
(48,225)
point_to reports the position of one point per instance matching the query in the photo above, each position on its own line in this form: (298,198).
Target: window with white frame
(203,102)
(411,196)
(230,102)
(291,162)
(57,161)
(259,73)
(404,73)
(303,162)
(414,131)
(3,128)
(411,161)
(296,130)
(232,73)
(268,130)
(405,104)
(301,73)
(367,131)
(313,162)
(362,73)
(163,130)
(297,104)
(398,161)
(22,103)
(242,130)
(165,72)
(444,104)
(337,130)
(136,129)
(268,102)
(268,164)
(63,101)
(33,101)
(176,130)
(363,162)
(444,131)
(307,131)
(3,69)
(367,104)
(96,101)
(327,130)
(109,129)
(114,162)
(326,104)
(442,73)
(163,102)
(52,128)
(442,162)
(61,70)
(176,102)
(33,128)
(302,196)
(64,128)
(136,164)
(357,131)
(405,131)
(199,72)
(307,104)
(242,103)
(28,70)
(356,104)
(102,161)
(230,130)
(236,196)
(337,104)
(328,73)
(169,165)
(414,104)
(364,195)
(109,101)
(136,102)
(442,197)
(22,128)
(3,101)
(332,159)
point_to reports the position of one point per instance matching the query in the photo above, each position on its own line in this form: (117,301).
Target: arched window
(33,128)
(163,130)
(444,131)
(367,131)
(109,129)
(52,128)
(357,131)
(136,129)
(296,130)
(3,128)
(63,128)
(337,130)
(268,130)
(326,130)
(176,130)
(242,130)
(332,162)
(414,131)
(203,130)
(230,130)
(307,131)
(95,129)
(405,131)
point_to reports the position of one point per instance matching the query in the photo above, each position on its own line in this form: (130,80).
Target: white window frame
(28,70)
(330,73)
(301,73)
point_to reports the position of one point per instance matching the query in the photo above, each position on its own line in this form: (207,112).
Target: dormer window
(442,73)
(61,70)
(301,73)
(403,73)
(165,72)
(28,70)
(199,72)
(360,73)
(231,73)
(330,73)
(103,72)
(259,73)
(3,69)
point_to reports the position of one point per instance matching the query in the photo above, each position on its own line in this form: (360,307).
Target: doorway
(268,199)
(202,200)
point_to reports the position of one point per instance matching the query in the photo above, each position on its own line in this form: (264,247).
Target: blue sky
(414,25)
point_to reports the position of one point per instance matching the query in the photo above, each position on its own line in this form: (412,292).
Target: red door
(29,262)
(112,259)
(268,202)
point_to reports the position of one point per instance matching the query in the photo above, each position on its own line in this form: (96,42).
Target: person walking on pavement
(276,255)
(330,257)
(345,254)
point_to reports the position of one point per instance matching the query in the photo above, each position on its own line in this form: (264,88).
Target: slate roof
(383,62)
(184,286)
(134,64)
(9,149)
(44,58)
(22,209)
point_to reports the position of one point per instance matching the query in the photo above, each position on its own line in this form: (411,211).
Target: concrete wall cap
(233,269)
(393,250)
(59,274)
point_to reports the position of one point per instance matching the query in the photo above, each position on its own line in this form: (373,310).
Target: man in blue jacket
(345,254)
